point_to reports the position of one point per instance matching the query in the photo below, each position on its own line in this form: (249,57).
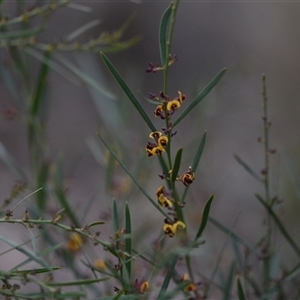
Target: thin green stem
(267,180)
(169,43)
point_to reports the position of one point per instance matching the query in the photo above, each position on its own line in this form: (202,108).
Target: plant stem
(267,180)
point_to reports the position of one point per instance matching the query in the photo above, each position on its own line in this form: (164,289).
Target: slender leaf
(41,84)
(247,168)
(205,216)
(80,7)
(21,34)
(132,177)
(128,239)
(200,96)
(29,271)
(128,92)
(84,77)
(279,225)
(176,164)
(26,252)
(41,253)
(238,253)
(168,276)
(53,65)
(241,293)
(96,223)
(77,282)
(115,216)
(73,35)
(199,152)
(11,163)
(228,286)
(229,231)
(163,34)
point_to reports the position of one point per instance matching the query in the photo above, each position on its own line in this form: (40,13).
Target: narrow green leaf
(132,177)
(199,152)
(205,216)
(229,231)
(79,7)
(53,65)
(239,255)
(176,164)
(21,34)
(200,96)
(84,77)
(241,293)
(128,92)
(77,282)
(168,277)
(96,223)
(40,254)
(82,29)
(30,271)
(11,163)
(26,252)
(41,84)
(163,34)
(279,225)
(247,168)
(128,239)
(229,282)
(115,216)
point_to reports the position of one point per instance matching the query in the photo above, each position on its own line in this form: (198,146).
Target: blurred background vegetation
(249,38)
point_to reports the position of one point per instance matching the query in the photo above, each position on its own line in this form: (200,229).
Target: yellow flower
(100,264)
(164,201)
(75,242)
(158,147)
(159,111)
(155,135)
(171,229)
(187,177)
(190,288)
(163,142)
(144,287)
(153,150)
(162,198)
(173,105)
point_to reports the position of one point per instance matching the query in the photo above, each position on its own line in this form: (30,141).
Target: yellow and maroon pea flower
(190,287)
(159,112)
(162,197)
(173,105)
(181,97)
(164,201)
(75,242)
(163,142)
(187,177)
(159,146)
(100,264)
(155,135)
(171,229)
(144,287)
(153,149)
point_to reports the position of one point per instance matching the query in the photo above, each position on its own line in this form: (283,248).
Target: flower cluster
(167,105)
(164,197)
(171,228)
(157,147)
